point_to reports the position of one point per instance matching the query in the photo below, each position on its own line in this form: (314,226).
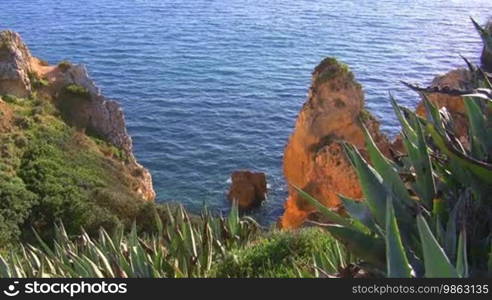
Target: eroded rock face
(248,189)
(313,158)
(20,74)
(15,65)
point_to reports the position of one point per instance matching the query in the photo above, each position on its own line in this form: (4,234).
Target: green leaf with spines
(436,262)
(397,264)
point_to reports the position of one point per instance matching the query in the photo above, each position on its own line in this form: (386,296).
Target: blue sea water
(209,86)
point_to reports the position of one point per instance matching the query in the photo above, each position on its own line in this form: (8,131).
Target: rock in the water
(76,96)
(248,189)
(314,159)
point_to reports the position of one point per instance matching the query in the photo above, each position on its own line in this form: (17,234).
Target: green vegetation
(285,254)
(50,171)
(330,68)
(181,246)
(64,65)
(38,82)
(436,200)
(67,208)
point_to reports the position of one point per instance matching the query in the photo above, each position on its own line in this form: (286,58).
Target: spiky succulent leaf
(436,262)
(331,216)
(371,183)
(481,141)
(484,34)
(462,258)
(480,169)
(365,246)
(397,264)
(360,211)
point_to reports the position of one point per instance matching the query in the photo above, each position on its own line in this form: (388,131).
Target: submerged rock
(314,159)
(80,102)
(248,189)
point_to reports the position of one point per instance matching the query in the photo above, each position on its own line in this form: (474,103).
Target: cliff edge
(65,154)
(71,90)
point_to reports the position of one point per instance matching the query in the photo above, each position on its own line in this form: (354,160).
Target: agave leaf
(330,215)
(159,225)
(45,247)
(480,169)
(436,262)
(407,128)
(433,114)
(480,141)
(4,268)
(359,211)
(462,259)
(371,183)
(450,241)
(233,219)
(367,247)
(106,266)
(484,34)
(397,264)
(391,178)
(419,156)
(90,265)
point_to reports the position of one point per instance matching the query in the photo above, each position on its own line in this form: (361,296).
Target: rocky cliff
(65,154)
(71,90)
(314,159)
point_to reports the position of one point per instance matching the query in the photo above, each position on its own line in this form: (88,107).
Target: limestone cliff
(314,159)
(79,101)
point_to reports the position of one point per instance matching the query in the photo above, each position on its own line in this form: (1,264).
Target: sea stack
(314,159)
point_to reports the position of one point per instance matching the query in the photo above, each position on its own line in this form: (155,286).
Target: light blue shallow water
(213,86)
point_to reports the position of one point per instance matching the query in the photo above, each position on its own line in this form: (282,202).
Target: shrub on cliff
(77,90)
(51,172)
(64,65)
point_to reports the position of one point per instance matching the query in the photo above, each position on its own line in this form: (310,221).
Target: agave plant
(428,213)
(182,247)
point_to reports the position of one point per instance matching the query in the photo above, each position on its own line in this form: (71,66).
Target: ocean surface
(209,87)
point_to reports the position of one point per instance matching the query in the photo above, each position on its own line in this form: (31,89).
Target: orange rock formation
(314,159)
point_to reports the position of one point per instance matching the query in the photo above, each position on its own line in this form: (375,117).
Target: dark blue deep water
(213,86)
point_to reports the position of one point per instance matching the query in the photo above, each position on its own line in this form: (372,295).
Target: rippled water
(213,86)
